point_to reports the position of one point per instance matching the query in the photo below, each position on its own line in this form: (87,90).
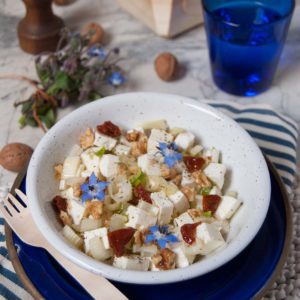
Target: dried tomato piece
(140,193)
(188,232)
(109,128)
(60,203)
(193,163)
(211,203)
(119,238)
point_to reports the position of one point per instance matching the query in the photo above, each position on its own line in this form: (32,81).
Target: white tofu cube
(156,137)
(70,167)
(165,207)
(196,150)
(81,168)
(187,178)
(215,191)
(139,219)
(184,218)
(182,259)
(145,250)
(100,233)
(155,183)
(213,153)
(97,249)
(132,262)
(122,150)
(185,140)
(105,141)
(227,207)
(148,165)
(216,173)
(91,160)
(149,208)
(69,194)
(109,165)
(76,210)
(210,236)
(196,248)
(62,185)
(180,202)
(76,150)
(86,173)
(158,124)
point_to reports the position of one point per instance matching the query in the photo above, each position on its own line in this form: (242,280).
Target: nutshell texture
(14,157)
(166,65)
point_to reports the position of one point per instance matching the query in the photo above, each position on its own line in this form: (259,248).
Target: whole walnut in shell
(15,156)
(166,65)
(96,32)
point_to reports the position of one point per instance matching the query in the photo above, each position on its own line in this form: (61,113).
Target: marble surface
(139,46)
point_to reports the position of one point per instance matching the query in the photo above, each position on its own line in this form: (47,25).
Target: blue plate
(247,276)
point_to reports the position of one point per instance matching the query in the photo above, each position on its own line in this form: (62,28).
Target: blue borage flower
(161,235)
(116,79)
(93,189)
(170,154)
(97,51)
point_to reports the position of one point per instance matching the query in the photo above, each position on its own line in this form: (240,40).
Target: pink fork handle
(97,286)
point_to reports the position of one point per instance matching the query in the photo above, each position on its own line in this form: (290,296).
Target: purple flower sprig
(97,51)
(170,153)
(116,79)
(161,235)
(94,189)
(79,70)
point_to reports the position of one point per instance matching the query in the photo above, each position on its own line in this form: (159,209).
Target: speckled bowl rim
(138,277)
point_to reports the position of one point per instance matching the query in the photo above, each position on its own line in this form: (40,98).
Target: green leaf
(139,178)
(22,121)
(49,118)
(62,82)
(100,152)
(26,107)
(94,96)
(207,214)
(31,121)
(205,191)
(42,74)
(43,108)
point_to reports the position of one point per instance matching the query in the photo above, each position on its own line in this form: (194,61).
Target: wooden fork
(17,215)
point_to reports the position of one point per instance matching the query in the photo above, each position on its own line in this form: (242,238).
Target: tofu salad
(145,199)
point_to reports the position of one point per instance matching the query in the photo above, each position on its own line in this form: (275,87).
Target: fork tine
(4,209)
(22,196)
(15,202)
(8,205)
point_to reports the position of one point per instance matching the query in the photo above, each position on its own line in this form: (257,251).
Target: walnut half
(94,208)
(87,139)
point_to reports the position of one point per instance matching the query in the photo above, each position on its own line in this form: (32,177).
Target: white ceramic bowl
(248,173)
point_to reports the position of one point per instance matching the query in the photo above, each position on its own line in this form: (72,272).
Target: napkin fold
(275,134)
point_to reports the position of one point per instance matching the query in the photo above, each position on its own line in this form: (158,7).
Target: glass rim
(288,14)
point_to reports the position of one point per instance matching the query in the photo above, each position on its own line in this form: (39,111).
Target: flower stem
(37,119)
(33,82)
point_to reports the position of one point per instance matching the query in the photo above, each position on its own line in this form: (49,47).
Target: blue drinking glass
(245,40)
